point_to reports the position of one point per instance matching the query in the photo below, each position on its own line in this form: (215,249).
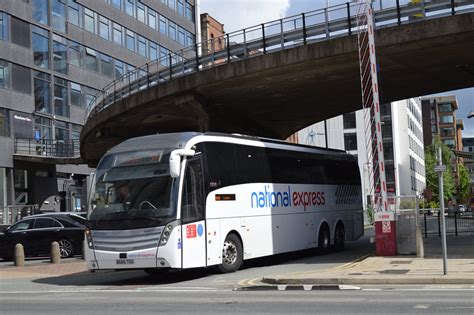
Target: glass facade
(60,57)
(58,14)
(4,74)
(61,103)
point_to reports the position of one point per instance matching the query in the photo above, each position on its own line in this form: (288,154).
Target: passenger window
(44,223)
(21,226)
(251,165)
(192,207)
(220,165)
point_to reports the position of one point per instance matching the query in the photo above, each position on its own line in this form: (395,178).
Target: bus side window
(192,208)
(220,165)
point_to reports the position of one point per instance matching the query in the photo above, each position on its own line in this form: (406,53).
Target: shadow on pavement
(461,246)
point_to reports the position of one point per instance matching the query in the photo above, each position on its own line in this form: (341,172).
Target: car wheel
(232,254)
(323,240)
(66,248)
(339,238)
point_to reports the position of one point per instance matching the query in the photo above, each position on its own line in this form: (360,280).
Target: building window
(141,45)
(106,67)
(20,78)
(76,94)
(449,142)
(349,120)
(42,89)
(189,12)
(180,7)
(4,123)
(73,13)
(350,141)
(89,22)
(90,61)
(90,95)
(60,57)
(40,11)
(40,47)
(172,30)
(4,26)
(61,131)
(129,7)
(118,69)
(104,27)
(445,108)
(182,37)
(163,28)
(172,4)
(153,51)
(140,12)
(164,56)
(447,132)
(130,40)
(58,13)
(61,103)
(4,74)
(75,53)
(118,34)
(447,119)
(117,3)
(151,18)
(75,132)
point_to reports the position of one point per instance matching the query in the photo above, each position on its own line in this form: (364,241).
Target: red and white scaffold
(385,222)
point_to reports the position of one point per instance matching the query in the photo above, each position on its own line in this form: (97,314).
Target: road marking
(351,263)
(422,306)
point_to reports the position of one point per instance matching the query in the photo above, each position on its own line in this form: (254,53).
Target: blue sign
(200,230)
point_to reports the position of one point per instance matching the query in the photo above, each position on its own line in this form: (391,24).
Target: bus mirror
(175,160)
(174,165)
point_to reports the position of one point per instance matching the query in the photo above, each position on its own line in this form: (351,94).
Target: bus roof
(179,139)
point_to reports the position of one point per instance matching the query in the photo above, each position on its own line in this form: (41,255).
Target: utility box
(385,234)
(406,232)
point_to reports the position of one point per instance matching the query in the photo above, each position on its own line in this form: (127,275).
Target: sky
(239,14)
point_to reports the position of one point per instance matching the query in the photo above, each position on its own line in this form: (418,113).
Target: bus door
(193,232)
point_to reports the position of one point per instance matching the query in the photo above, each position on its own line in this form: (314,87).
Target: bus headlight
(88,237)
(167,232)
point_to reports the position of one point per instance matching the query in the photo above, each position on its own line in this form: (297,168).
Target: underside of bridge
(279,93)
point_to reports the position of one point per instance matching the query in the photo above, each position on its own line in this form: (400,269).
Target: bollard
(19,259)
(55,253)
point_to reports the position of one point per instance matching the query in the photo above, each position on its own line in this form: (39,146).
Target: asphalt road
(256,268)
(205,301)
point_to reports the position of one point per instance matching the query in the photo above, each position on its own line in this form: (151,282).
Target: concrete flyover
(278,93)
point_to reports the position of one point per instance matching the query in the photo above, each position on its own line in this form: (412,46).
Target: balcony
(47,151)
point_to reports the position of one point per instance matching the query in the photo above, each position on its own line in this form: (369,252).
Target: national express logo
(275,199)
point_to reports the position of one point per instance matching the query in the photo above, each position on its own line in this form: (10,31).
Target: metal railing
(309,27)
(456,222)
(12,214)
(47,148)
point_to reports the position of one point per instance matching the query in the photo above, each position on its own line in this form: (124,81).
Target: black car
(37,232)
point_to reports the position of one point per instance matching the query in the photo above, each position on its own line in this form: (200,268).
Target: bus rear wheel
(323,240)
(232,254)
(339,238)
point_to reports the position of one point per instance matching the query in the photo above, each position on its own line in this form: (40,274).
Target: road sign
(440,168)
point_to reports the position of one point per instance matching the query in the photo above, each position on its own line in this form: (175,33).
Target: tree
(464,183)
(431,153)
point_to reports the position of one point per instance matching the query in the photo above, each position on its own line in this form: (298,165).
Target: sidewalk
(397,270)
(43,269)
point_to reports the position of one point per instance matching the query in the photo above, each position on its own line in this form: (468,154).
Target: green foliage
(464,184)
(432,176)
(370,215)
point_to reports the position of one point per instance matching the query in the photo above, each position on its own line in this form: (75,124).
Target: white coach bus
(185,200)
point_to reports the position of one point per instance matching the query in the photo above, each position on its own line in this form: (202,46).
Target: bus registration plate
(125,261)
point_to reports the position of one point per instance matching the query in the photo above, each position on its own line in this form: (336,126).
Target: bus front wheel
(232,254)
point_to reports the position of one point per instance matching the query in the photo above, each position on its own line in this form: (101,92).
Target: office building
(402,135)
(54,56)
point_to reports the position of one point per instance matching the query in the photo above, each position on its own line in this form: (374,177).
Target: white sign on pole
(440,168)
